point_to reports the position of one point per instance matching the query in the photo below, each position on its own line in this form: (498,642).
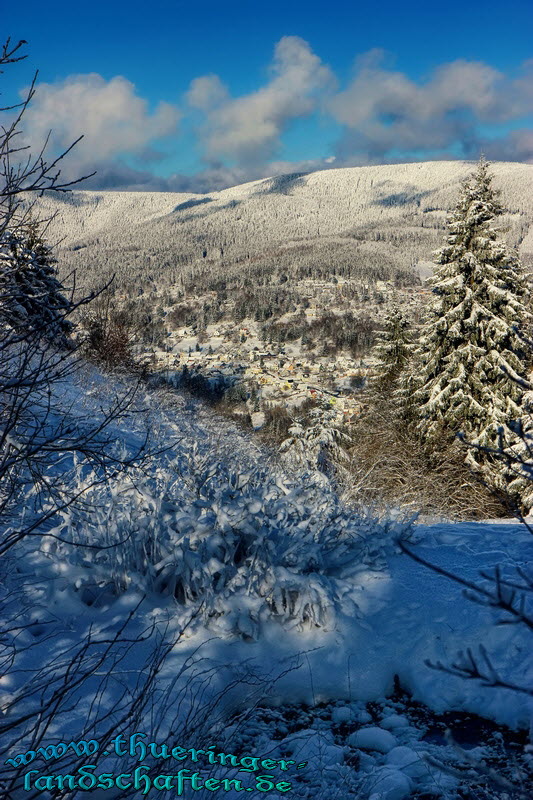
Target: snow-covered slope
(357,215)
(267,585)
(310,572)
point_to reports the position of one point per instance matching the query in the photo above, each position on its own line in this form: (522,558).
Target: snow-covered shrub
(240,546)
(86,677)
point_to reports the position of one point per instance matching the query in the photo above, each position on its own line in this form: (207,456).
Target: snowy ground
(332,615)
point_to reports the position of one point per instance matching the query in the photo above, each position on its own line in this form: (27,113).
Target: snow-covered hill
(389,216)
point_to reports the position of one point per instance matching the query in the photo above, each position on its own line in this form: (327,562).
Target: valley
(280,285)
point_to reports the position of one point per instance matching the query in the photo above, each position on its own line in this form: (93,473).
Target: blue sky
(197,96)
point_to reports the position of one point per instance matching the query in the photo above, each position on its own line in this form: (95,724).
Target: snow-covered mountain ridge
(392,215)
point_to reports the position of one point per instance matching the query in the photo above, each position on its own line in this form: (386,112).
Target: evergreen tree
(31,296)
(518,457)
(473,350)
(317,441)
(393,349)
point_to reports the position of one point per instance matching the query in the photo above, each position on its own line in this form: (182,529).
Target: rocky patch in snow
(351,752)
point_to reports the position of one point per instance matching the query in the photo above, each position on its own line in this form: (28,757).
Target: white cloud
(516,146)
(112,117)
(385,116)
(207,92)
(384,111)
(248,128)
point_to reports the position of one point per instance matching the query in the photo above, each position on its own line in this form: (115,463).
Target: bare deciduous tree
(46,443)
(38,431)
(22,171)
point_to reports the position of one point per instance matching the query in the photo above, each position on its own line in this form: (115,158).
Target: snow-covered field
(271,593)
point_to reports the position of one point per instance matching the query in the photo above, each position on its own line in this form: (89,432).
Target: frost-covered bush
(241,547)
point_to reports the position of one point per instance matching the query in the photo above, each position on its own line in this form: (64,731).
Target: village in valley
(255,372)
(266,373)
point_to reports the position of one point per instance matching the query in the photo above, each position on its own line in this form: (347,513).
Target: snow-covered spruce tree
(474,355)
(394,349)
(515,453)
(31,296)
(317,442)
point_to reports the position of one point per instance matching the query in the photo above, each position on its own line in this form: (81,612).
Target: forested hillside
(361,223)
